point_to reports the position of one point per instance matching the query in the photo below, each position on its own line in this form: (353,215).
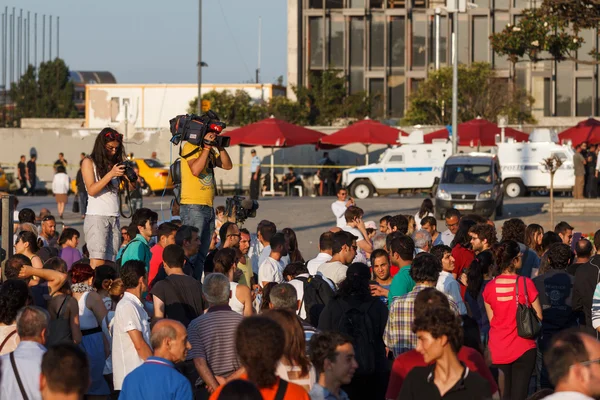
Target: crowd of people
(388,309)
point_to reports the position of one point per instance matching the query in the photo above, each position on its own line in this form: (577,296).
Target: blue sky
(155,41)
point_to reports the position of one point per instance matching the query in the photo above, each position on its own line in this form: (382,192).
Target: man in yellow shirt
(198,191)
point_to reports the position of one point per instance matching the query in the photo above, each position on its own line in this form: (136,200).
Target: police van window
(397,158)
(561,156)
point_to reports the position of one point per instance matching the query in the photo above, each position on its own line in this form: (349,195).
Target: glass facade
(386,47)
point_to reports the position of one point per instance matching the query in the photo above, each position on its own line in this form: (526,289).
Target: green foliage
(480,94)
(51,96)
(325,101)
(549,32)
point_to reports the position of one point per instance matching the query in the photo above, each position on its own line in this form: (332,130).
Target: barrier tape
(263,165)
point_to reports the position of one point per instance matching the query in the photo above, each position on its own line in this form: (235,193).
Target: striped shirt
(596,307)
(212,336)
(398,335)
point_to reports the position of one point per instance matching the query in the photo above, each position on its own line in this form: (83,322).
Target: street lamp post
(199,108)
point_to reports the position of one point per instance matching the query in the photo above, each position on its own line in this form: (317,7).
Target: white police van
(521,164)
(411,167)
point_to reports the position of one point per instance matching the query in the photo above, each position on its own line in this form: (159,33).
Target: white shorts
(102,236)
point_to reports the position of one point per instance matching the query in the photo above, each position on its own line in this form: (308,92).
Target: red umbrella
(584,131)
(272,132)
(477,132)
(367,132)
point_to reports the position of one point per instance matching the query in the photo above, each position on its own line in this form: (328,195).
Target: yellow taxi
(7,181)
(155,173)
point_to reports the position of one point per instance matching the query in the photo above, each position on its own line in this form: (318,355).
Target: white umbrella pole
(272,171)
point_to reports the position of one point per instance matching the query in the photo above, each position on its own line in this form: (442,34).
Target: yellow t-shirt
(197,189)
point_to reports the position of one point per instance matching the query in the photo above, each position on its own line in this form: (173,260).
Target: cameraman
(198,191)
(102,173)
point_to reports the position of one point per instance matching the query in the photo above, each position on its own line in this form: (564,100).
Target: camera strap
(191,153)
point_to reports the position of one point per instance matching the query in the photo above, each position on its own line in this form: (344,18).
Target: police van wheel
(514,188)
(362,190)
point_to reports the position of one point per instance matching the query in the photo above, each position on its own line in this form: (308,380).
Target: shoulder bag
(528,323)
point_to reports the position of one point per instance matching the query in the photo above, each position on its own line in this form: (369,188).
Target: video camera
(240,207)
(193,128)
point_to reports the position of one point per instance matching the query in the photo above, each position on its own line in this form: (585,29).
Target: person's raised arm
(93,187)
(224,161)
(159,307)
(54,278)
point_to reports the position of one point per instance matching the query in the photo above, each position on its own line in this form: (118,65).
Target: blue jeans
(203,218)
(83,200)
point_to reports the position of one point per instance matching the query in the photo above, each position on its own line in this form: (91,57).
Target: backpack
(121,253)
(317,294)
(355,322)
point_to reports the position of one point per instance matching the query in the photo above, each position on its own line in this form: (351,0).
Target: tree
(25,95)
(480,94)
(235,109)
(551,165)
(551,32)
(55,91)
(51,96)
(328,100)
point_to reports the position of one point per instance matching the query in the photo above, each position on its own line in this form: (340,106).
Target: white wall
(152,106)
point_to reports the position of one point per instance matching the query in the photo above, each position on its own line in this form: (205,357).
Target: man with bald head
(157,377)
(573,363)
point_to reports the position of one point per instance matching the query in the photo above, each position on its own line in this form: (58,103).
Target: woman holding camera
(102,173)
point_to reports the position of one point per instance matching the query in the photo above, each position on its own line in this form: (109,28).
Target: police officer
(255,177)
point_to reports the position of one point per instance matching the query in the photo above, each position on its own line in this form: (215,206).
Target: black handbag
(528,323)
(76,205)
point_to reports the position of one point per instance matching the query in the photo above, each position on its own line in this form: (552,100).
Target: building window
(443,50)
(419,40)
(315,4)
(377,50)
(357,4)
(482,3)
(357,42)
(547,97)
(419,3)
(463,38)
(315,44)
(357,82)
(589,43)
(564,89)
(414,85)
(396,95)
(396,3)
(501,4)
(376,3)
(397,44)
(500,22)
(334,3)
(584,97)
(521,4)
(335,43)
(480,39)
(377,97)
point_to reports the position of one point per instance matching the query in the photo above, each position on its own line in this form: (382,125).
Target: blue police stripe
(379,170)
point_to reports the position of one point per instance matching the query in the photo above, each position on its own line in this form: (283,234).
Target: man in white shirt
(297,275)
(343,250)
(325,243)
(131,329)
(32,328)
(259,243)
(340,205)
(446,283)
(356,226)
(271,270)
(573,366)
(452,219)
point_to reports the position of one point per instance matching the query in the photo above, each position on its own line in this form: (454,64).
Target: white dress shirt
(568,396)
(270,270)
(299,286)
(450,287)
(256,247)
(314,264)
(334,271)
(28,358)
(129,315)
(339,209)
(447,237)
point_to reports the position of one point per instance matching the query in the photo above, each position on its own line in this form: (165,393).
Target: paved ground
(309,217)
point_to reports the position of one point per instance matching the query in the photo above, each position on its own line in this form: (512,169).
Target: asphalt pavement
(309,217)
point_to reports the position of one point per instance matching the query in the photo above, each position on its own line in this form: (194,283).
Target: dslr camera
(129,172)
(194,128)
(241,208)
